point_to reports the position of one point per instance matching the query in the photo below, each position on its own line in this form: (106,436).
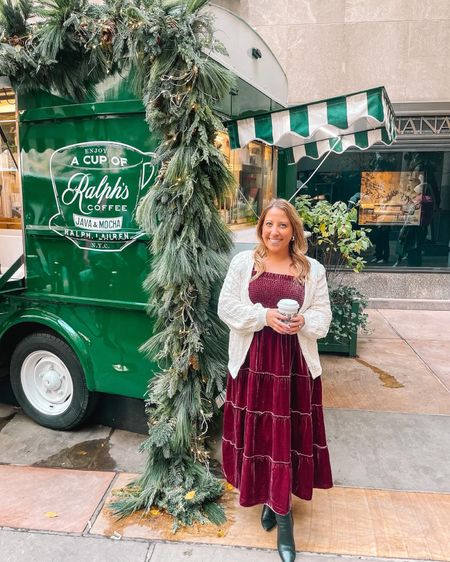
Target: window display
(403,197)
(391,198)
(253,168)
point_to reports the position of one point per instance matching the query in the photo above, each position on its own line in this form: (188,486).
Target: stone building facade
(332,47)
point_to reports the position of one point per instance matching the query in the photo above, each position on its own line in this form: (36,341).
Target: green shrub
(337,243)
(345,321)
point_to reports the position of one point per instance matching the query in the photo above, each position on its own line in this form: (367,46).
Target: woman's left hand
(296,323)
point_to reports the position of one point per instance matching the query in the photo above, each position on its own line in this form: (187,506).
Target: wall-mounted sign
(97,187)
(391,198)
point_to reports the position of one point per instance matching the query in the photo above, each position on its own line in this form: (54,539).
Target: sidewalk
(388,426)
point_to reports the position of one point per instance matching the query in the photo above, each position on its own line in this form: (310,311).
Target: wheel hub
(51,380)
(46,382)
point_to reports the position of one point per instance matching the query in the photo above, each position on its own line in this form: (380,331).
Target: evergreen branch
(195,5)
(14,18)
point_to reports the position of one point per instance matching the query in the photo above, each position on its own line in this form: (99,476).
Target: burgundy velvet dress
(274,441)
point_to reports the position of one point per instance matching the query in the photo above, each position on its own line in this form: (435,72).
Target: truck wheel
(49,383)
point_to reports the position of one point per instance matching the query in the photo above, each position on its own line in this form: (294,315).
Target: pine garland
(70,48)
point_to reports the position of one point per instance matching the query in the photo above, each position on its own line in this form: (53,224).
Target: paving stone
(22,441)
(347,521)
(387,375)
(197,553)
(378,327)
(420,324)
(190,553)
(7,413)
(50,499)
(124,450)
(17,546)
(7,410)
(436,354)
(389,450)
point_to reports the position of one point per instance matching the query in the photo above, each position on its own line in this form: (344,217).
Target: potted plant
(337,242)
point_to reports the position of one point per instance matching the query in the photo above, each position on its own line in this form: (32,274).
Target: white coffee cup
(288,307)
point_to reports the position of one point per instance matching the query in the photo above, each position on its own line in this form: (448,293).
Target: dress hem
(264,501)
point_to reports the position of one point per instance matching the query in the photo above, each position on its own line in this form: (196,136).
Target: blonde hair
(297,247)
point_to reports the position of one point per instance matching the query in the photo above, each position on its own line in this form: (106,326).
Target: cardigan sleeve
(237,315)
(318,315)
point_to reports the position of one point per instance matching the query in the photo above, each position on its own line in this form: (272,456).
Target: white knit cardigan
(244,318)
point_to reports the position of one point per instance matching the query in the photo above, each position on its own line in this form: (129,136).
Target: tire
(49,383)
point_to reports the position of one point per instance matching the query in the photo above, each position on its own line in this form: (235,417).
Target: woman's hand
(275,320)
(278,322)
(296,323)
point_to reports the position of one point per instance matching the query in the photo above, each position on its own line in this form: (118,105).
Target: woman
(274,441)
(411,237)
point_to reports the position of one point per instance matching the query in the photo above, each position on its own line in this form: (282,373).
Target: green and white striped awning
(357,120)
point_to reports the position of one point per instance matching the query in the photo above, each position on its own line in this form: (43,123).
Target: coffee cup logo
(97,187)
(287,307)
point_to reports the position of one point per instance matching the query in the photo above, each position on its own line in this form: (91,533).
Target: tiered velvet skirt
(274,441)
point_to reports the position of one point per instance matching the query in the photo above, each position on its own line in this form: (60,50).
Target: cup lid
(287,303)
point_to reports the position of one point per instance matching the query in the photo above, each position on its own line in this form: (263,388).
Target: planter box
(346,346)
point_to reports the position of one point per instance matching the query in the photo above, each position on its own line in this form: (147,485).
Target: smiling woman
(273,387)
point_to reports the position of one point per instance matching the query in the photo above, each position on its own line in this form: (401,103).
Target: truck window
(10,199)
(11,243)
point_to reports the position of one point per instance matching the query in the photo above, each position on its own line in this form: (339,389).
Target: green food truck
(72,306)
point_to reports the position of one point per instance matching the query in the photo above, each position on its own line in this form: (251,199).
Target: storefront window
(10,200)
(403,197)
(253,167)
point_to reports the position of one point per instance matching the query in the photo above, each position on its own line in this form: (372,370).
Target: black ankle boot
(268,520)
(285,543)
